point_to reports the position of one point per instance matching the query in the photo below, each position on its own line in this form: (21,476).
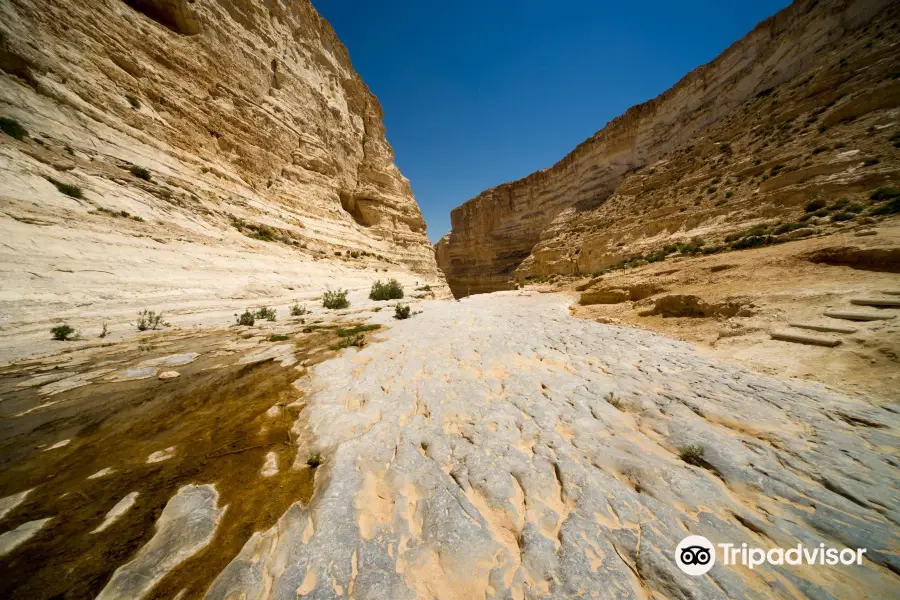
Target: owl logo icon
(695,555)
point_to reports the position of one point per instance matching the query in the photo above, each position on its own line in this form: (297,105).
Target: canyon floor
(729,304)
(494,447)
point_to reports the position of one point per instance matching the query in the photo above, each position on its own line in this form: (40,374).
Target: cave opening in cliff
(175,15)
(351,206)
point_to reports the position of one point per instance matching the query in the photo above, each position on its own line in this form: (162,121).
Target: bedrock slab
(186,526)
(499,448)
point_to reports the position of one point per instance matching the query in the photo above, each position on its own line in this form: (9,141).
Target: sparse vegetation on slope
(691,454)
(63,333)
(148,319)
(265,312)
(69,190)
(140,172)
(335,299)
(246,318)
(391,290)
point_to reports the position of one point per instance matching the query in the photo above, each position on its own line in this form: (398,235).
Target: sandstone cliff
(698,159)
(185,154)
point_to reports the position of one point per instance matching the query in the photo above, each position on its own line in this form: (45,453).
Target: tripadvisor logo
(696,555)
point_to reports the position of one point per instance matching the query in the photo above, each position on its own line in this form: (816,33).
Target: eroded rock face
(499,448)
(265,156)
(698,159)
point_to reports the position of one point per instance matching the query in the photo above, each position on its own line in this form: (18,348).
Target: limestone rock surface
(184,155)
(500,448)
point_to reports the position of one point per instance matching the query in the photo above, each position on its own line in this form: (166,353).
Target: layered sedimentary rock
(814,74)
(179,152)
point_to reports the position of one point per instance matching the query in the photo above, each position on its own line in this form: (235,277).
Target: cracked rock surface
(499,448)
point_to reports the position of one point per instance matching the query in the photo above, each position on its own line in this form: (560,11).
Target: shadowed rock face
(499,448)
(571,217)
(264,154)
(177,15)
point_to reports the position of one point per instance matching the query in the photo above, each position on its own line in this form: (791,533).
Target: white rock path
(472,454)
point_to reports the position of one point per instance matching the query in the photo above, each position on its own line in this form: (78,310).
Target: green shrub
(842,216)
(335,299)
(885,193)
(854,207)
(148,319)
(392,290)
(63,332)
(298,310)
(264,312)
(691,454)
(756,231)
(263,233)
(314,460)
(611,398)
(787,227)
(278,337)
(888,208)
(357,341)
(838,204)
(69,190)
(245,318)
(12,128)
(140,172)
(814,205)
(402,311)
(752,241)
(358,329)
(822,212)
(871,161)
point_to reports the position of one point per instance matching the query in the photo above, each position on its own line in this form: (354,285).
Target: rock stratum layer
(267,168)
(811,93)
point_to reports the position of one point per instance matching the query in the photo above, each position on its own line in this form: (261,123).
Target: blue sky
(477,93)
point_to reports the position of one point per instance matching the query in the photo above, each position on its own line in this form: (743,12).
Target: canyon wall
(526,228)
(181,154)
